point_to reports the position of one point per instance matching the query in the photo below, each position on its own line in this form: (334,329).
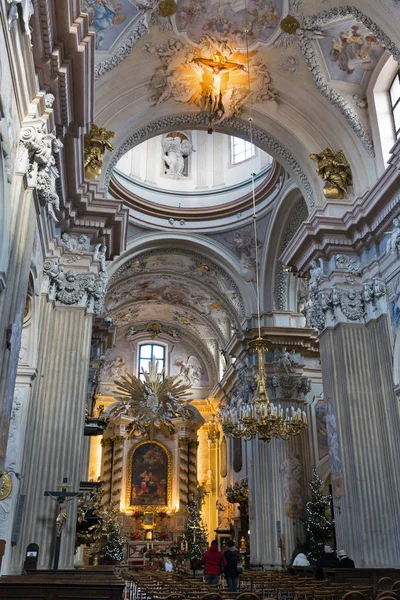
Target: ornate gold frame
(149,507)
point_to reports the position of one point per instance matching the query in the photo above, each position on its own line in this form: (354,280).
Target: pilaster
(54,443)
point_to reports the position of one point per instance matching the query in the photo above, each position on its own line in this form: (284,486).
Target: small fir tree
(318,527)
(195,533)
(114,547)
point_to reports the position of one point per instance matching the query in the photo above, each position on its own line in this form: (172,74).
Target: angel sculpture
(335,171)
(176,150)
(151,403)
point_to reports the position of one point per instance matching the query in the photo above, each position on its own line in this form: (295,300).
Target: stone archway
(233,126)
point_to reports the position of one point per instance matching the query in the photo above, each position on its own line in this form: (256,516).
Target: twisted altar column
(183,471)
(192,461)
(117,468)
(106,470)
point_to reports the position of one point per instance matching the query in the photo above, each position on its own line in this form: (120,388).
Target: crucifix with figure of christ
(62,498)
(217,66)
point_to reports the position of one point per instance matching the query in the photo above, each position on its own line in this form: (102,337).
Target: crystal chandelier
(260,417)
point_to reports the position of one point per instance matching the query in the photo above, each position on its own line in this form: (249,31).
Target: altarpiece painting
(149,475)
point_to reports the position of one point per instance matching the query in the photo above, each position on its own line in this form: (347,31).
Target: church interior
(199,297)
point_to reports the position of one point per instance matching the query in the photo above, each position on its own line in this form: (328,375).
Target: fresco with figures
(350,51)
(149,476)
(226,19)
(109,19)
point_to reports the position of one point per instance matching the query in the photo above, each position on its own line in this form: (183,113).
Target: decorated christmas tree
(319,527)
(195,535)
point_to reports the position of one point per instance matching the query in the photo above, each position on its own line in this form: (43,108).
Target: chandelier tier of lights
(260,417)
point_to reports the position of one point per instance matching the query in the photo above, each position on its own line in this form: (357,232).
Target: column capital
(338,293)
(70,288)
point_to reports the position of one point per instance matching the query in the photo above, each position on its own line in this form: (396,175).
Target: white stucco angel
(175,151)
(393,242)
(26,9)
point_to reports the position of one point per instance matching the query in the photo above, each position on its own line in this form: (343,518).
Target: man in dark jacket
(328,560)
(233,560)
(214,562)
(344,561)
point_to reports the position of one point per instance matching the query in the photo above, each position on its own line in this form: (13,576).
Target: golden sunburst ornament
(152,403)
(167,8)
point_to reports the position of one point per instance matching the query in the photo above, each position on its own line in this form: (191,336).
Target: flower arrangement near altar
(163,535)
(138,514)
(162,514)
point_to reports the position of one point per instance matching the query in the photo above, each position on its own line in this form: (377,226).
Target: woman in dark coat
(233,560)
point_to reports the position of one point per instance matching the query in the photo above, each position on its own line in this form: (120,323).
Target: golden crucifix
(217,67)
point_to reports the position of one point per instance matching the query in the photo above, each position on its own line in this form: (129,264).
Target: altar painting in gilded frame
(149,476)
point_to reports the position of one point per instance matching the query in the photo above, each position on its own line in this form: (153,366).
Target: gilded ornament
(167,8)
(335,171)
(6,486)
(154,328)
(96,143)
(290,25)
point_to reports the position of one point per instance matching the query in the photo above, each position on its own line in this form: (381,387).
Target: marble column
(363,421)
(273,467)
(214,467)
(54,443)
(183,471)
(364,438)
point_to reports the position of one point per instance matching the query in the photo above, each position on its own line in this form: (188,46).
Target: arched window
(148,352)
(241,150)
(394,93)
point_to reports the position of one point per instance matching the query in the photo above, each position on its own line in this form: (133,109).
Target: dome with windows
(194,177)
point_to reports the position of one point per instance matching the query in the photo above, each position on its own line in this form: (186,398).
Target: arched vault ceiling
(178,288)
(319,81)
(192,268)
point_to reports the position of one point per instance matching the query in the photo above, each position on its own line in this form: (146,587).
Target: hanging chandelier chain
(259,417)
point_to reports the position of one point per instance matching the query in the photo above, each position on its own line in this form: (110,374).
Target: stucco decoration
(74,289)
(214,76)
(36,158)
(309,36)
(233,126)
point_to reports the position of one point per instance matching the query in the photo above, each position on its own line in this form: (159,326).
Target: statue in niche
(223,510)
(175,150)
(393,243)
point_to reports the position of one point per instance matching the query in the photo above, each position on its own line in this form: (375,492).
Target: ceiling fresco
(226,19)
(109,19)
(185,318)
(350,51)
(190,265)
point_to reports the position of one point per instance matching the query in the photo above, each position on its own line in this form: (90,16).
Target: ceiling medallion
(167,8)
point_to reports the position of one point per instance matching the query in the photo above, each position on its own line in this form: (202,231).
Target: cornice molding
(63,50)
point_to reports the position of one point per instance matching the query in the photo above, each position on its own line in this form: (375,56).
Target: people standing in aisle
(233,565)
(214,564)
